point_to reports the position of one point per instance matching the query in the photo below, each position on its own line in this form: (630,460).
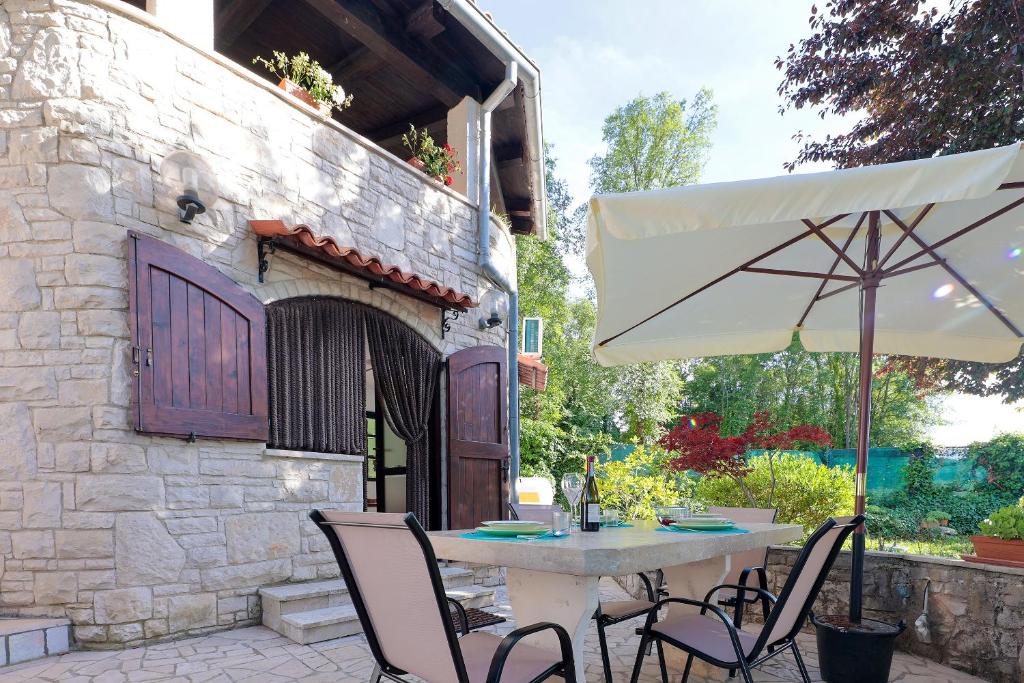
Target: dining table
(556,579)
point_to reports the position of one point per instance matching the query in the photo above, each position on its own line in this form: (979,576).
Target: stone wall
(976,612)
(136,537)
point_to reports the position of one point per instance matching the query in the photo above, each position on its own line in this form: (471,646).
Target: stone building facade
(134,536)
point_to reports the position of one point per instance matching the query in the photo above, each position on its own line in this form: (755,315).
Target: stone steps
(25,639)
(315,611)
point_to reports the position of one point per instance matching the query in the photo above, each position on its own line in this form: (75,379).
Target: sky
(595,55)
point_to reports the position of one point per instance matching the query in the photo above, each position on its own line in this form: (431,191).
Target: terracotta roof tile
(532,373)
(370,264)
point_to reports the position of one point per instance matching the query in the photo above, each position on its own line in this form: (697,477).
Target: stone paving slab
(259,655)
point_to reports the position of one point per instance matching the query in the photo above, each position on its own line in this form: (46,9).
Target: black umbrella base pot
(855,652)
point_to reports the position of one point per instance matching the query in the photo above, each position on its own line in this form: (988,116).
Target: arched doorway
(322,399)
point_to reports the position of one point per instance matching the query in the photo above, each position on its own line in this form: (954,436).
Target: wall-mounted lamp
(495,308)
(198,185)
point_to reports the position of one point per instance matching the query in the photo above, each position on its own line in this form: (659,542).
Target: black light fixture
(196,180)
(495,309)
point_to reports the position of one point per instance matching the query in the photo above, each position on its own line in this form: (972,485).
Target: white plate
(511,523)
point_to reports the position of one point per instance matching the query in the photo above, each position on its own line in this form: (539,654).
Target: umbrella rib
(838,290)
(905,235)
(835,264)
(911,269)
(817,230)
(963,231)
(802,273)
(930,250)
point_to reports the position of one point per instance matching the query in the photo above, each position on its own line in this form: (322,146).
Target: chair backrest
(393,578)
(531,513)
(748,558)
(809,573)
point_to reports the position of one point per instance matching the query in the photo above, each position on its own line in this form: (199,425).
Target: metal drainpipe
(492,272)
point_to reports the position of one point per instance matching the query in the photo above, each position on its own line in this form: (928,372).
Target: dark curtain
(405,368)
(317,375)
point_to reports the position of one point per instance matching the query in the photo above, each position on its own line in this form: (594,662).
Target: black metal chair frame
(566,668)
(744,662)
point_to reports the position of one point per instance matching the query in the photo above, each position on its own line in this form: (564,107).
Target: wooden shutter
(477,435)
(199,347)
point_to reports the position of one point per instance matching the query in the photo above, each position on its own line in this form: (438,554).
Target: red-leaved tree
(697,444)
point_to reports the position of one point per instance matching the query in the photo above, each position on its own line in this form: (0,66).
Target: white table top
(609,552)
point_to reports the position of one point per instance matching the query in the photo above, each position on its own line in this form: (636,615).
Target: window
(533,336)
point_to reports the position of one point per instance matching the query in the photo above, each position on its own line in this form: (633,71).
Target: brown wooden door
(199,347)
(477,436)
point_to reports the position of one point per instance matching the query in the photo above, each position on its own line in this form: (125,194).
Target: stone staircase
(314,611)
(25,639)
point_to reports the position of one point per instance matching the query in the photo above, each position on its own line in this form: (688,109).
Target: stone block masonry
(135,537)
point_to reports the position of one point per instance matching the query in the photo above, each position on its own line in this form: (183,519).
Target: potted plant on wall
(306,80)
(1002,537)
(437,162)
(935,519)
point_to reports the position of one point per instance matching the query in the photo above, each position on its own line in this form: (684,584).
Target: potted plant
(437,162)
(1002,537)
(935,519)
(306,80)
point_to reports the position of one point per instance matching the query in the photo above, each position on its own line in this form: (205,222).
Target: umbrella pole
(869,294)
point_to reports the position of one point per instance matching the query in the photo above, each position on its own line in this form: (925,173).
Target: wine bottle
(590,513)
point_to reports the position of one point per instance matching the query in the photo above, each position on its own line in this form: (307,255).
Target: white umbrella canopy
(920,258)
(695,271)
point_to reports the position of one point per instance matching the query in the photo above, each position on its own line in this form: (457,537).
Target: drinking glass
(572,487)
(610,518)
(561,522)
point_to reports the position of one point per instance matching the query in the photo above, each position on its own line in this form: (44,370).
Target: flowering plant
(697,444)
(438,162)
(310,76)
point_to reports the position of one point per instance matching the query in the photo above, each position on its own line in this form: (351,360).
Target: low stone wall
(976,612)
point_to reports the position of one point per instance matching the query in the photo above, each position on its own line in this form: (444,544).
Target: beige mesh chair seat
(715,638)
(392,575)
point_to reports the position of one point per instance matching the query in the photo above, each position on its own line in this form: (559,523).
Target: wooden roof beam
(425,22)
(355,66)
(364,22)
(234,18)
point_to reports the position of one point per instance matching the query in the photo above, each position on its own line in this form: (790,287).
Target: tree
(652,143)
(920,83)
(698,445)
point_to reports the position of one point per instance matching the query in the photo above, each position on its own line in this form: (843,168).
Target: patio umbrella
(918,258)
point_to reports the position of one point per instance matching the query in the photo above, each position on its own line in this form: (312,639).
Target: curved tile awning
(352,261)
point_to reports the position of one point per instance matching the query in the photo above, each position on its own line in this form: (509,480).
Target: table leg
(693,581)
(567,600)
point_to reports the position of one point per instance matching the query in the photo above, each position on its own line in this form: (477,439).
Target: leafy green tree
(652,143)
(918,82)
(640,483)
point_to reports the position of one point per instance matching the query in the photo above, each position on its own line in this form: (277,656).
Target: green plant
(1006,523)
(885,524)
(966,508)
(640,483)
(308,75)
(550,450)
(806,492)
(1002,460)
(936,516)
(919,472)
(438,162)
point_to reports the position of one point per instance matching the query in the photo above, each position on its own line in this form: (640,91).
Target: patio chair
(719,642)
(742,564)
(392,576)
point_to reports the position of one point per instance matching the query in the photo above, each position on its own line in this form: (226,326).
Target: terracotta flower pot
(301,93)
(990,547)
(416,163)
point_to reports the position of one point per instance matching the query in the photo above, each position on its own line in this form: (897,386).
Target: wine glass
(572,487)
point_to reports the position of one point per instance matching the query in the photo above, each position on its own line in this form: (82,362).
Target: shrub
(640,483)
(936,516)
(1002,460)
(550,451)
(920,470)
(966,508)
(805,492)
(1006,523)
(884,524)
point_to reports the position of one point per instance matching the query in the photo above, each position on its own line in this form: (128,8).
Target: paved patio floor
(260,655)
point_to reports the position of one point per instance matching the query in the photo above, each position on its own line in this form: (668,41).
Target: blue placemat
(677,530)
(476,535)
